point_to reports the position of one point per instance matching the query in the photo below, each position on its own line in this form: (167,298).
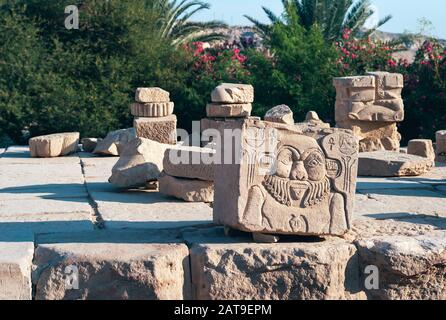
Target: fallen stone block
(111,271)
(422,147)
(141,160)
(441,146)
(392,164)
(15,269)
(89,144)
(152,109)
(234,269)
(161,129)
(214,110)
(229,93)
(54,145)
(409,267)
(147,95)
(280,114)
(192,164)
(114,142)
(189,190)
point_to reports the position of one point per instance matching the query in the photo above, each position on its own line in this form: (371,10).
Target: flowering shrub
(357,56)
(425,92)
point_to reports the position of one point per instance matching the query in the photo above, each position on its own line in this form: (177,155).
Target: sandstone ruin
(440,150)
(231,101)
(54,145)
(371,106)
(286,182)
(154,118)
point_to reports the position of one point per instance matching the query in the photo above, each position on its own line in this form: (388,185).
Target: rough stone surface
(371,105)
(112,271)
(410,268)
(89,144)
(312,123)
(15,270)
(147,95)
(374,136)
(189,190)
(287,182)
(192,164)
(161,129)
(422,147)
(233,93)
(441,146)
(280,114)
(153,109)
(54,145)
(225,269)
(228,110)
(140,161)
(114,142)
(392,164)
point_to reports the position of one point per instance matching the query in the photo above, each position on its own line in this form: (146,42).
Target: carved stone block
(228,110)
(153,109)
(421,147)
(441,146)
(373,104)
(281,181)
(162,129)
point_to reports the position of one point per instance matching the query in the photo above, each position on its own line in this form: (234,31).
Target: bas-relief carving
(299,184)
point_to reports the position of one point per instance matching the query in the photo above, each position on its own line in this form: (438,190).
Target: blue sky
(406,13)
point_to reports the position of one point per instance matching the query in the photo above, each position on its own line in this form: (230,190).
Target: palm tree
(332,16)
(176,27)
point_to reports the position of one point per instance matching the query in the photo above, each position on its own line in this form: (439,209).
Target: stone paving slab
(394,203)
(21,155)
(366,183)
(15,270)
(148,210)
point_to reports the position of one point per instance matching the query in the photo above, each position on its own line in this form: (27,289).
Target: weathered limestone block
(15,270)
(286,271)
(161,129)
(189,190)
(312,123)
(281,181)
(441,146)
(410,267)
(111,271)
(280,114)
(229,93)
(371,105)
(114,142)
(193,164)
(422,147)
(392,164)
(54,145)
(147,95)
(89,144)
(140,161)
(152,109)
(214,110)
(374,136)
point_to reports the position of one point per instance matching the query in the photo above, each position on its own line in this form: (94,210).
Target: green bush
(298,73)
(54,79)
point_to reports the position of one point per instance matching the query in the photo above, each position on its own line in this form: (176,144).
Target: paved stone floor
(62,212)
